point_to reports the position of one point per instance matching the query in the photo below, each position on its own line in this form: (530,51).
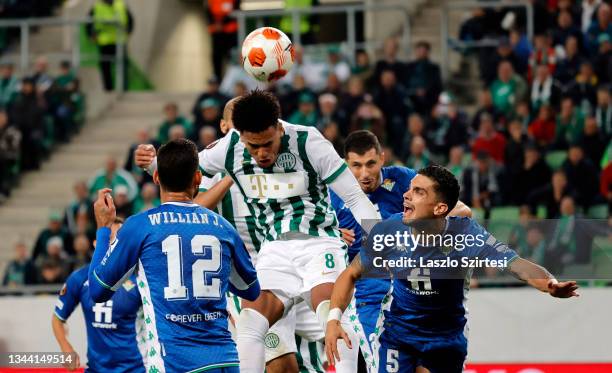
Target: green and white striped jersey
(233,208)
(290,196)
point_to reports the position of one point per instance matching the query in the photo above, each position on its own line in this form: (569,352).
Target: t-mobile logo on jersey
(103,315)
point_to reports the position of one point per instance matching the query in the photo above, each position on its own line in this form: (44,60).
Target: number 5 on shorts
(329,261)
(392,363)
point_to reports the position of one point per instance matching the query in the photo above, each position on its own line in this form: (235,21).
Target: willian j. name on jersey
(182,218)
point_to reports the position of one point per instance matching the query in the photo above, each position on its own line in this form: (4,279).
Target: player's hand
(144,155)
(333,333)
(75,360)
(566,289)
(348,236)
(104,208)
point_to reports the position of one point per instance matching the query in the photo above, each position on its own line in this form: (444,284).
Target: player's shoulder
(462,224)
(399,173)
(292,128)
(79,276)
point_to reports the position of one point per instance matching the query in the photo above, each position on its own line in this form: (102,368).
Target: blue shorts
(439,355)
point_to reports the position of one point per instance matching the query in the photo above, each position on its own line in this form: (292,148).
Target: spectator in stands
(543,54)
(455,162)
(84,225)
(10,143)
(289,101)
(582,175)
(504,52)
(172,117)
(522,48)
(369,117)
(333,85)
(522,114)
(142,137)
(111,177)
(565,28)
(41,78)
(569,66)
(423,79)
(331,132)
(603,111)
(562,246)
(448,126)
(223,29)
(419,155)
(66,75)
(306,114)
(389,61)
(148,198)
(535,245)
(601,26)
(593,142)
(482,184)
(52,272)
(207,136)
(508,89)
(544,89)
(210,110)
(54,229)
(363,68)
(54,252)
(542,129)
(584,88)
(414,127)
(550,195)
(475,27)
(589,13)
(19,270)
(212,91)
(350,101)
(605,185)
(602,62)
(489,140)
(518,234)
(515,150)
(391,98)
(337,65)
(328,107)
(534,174)
(123,203)
(485,106)
(108,36)
(27,112)
(82,252)
(570,125)
(9,84)
(81,203)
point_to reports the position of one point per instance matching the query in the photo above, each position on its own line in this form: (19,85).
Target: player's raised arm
(111,264)
(211,193)
(340,299)
(335,173)
(539,278)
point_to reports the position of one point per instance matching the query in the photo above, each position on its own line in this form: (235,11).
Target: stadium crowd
(539,138)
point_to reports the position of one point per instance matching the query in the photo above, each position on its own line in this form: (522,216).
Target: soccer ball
(267,54)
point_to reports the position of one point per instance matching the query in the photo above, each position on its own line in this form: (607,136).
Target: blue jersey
(111,326)
(187,258)
(427,301)
(388,199)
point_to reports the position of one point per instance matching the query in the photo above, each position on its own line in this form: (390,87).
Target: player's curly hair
(446,184)
(256,112)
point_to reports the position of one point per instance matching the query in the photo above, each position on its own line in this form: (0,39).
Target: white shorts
(291,268)
(280,339)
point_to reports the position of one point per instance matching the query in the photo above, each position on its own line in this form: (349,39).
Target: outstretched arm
(210,197)
(340,299)
(346,187)
(539,278)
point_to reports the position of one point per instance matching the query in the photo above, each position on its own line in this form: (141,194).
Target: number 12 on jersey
(205,284)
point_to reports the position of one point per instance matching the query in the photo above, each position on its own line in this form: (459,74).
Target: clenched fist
(144,155)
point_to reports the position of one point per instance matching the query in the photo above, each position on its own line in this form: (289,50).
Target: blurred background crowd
(536,146)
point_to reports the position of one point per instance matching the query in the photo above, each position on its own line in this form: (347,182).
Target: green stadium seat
(556,158)
(541,212)
(598,212)
(507,213)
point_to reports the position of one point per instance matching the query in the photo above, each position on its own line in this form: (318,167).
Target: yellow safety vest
(287,20)
(107,33)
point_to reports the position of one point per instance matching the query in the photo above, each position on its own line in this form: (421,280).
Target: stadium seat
(541,212)
(507,213)
(556,158)
(598,212)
